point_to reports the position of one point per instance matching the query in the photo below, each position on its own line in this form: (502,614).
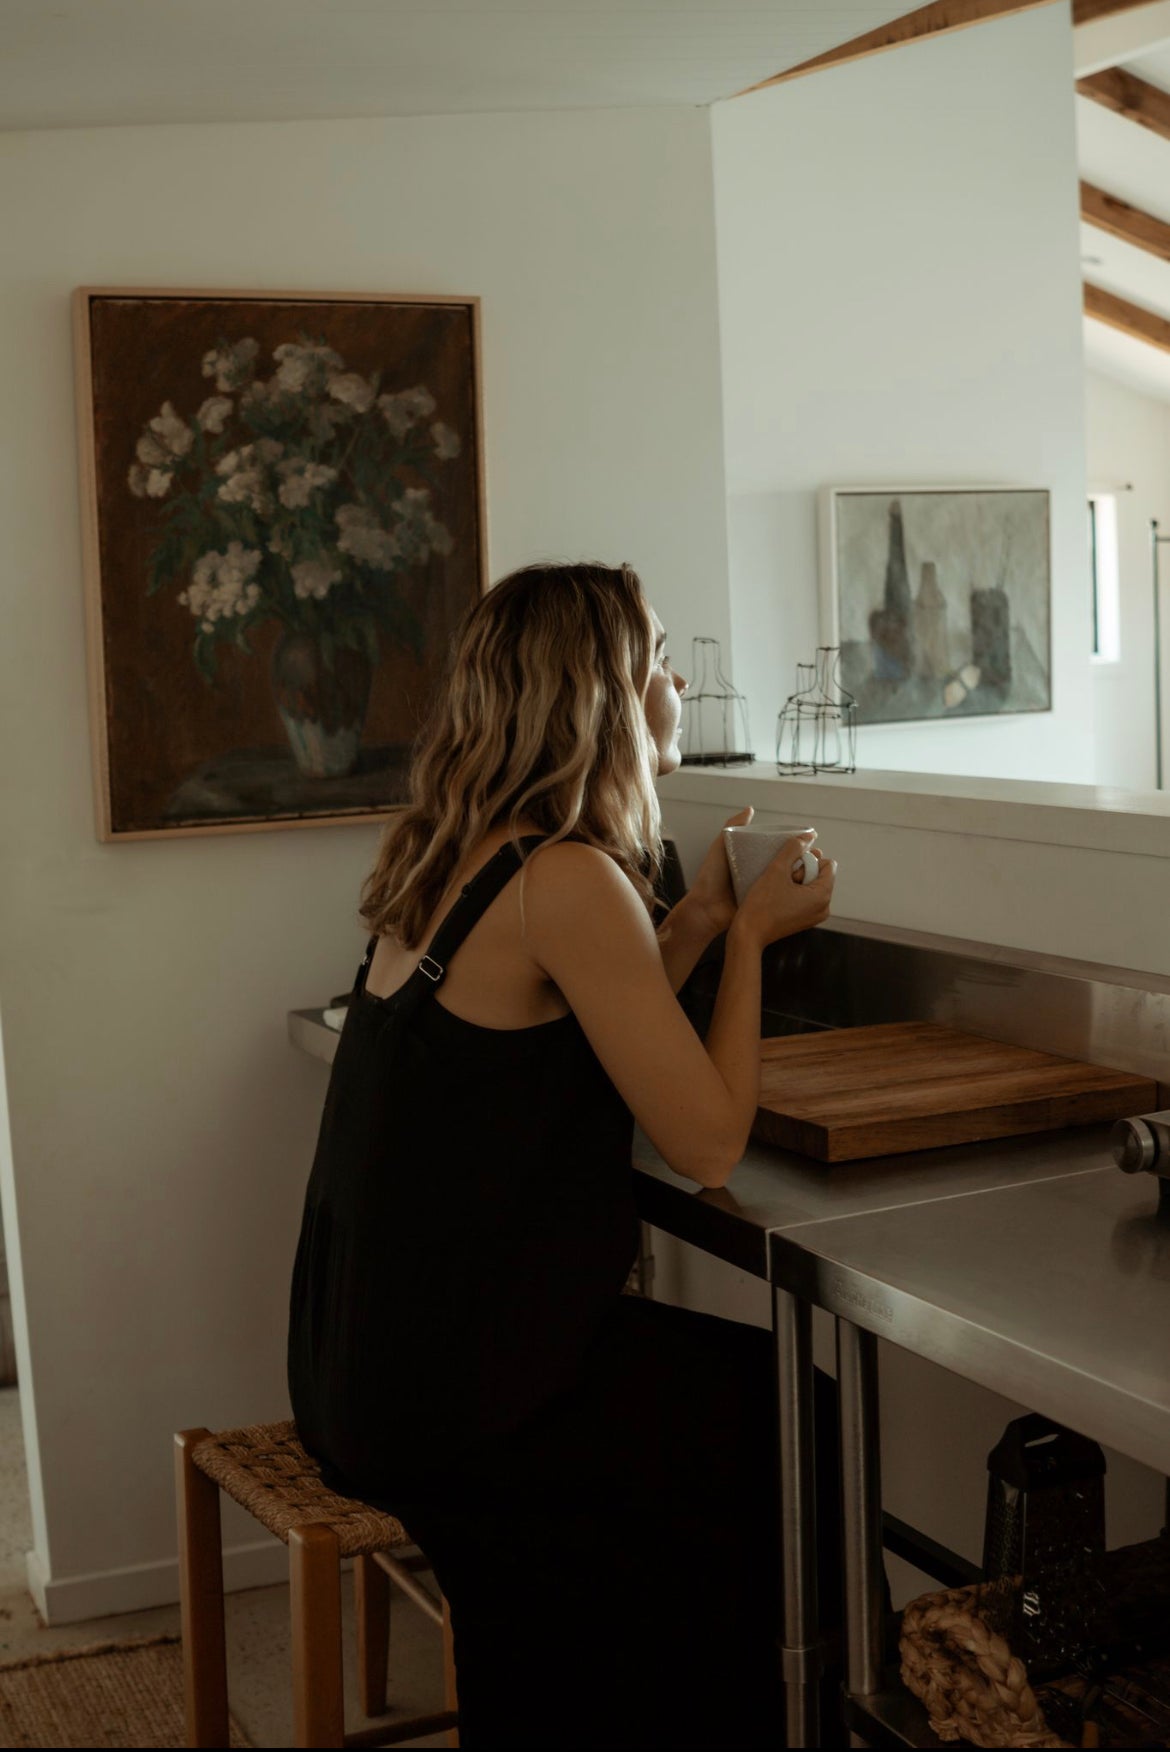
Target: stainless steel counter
(1026,1263)
(775,1190)
(1055,1294)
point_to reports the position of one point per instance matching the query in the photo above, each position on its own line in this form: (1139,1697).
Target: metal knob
(1134,1146)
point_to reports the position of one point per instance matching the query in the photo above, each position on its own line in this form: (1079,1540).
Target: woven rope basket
(960,1667)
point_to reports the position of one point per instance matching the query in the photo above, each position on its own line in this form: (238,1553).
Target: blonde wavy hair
(542,719)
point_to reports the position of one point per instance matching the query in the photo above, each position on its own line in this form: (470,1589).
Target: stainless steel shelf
(308,1030)
(891,1718)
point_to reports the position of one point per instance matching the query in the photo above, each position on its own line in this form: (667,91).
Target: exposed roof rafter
(1130,224)
(924,21)
(1085,11)
(1127,95)
(1131,319)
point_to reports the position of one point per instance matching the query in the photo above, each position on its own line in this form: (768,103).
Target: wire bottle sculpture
(715,720)
(816,731)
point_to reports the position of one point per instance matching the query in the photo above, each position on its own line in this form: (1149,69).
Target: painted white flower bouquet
(298,498)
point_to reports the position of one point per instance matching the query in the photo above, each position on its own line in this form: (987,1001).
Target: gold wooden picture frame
(284,521)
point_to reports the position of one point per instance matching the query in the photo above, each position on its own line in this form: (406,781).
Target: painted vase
(322,698)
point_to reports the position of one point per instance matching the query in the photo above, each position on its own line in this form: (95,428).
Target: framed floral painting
(284,523)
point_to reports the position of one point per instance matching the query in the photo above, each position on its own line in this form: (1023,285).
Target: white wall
(900,303)
(161,1126)
(1128,442)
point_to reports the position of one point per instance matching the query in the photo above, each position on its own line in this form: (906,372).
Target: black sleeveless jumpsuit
(591,1475)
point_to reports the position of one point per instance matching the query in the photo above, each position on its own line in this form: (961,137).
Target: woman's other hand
(777,905)
(711,891)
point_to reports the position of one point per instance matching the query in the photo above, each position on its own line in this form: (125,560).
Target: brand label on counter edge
(843,1292)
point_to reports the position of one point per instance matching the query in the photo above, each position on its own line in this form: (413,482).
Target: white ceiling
(1131,362)
(1134,164)
(1122,268)
(1124,158)
(1154,66)
(79,63)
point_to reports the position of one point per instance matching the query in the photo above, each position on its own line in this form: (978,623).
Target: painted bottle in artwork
(890,626)
(930,624)
(991,649)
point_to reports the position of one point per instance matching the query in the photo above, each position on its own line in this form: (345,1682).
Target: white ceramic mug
(751,849)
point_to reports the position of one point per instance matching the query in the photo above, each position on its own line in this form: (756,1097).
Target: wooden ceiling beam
(924,21)
(1085,11)
(1127,95)
(1130,224)
(1132,319)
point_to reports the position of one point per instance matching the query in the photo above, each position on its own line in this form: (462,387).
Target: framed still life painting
(939,599)
(284,523)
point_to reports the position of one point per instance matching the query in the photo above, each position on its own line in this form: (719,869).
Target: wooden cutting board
(844,1093)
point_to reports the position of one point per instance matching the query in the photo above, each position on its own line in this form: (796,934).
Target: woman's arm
(588,930)
(683,935)
(705,911)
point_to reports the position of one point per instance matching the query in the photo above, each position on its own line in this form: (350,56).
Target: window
(1105,577)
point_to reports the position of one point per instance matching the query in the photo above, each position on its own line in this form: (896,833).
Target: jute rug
(107,1694)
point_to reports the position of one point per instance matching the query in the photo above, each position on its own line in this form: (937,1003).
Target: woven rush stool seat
(265,1469)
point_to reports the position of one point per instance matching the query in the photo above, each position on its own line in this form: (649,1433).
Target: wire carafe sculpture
(816,731)
(715,720)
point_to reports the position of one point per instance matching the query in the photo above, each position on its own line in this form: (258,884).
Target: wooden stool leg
(371,1598)
(450,1695)
(315,1587)
(201,1597)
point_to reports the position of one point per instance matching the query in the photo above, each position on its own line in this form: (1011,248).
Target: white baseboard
(67,1599)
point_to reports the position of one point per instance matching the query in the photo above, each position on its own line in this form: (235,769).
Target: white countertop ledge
(1095,817)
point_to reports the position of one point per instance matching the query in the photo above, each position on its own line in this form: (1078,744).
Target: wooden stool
(266,1470)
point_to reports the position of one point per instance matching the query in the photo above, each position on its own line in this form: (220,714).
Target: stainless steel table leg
(861,1508)
(645,1262)
(800,1641)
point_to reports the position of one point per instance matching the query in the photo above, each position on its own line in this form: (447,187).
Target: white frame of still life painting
(940,599)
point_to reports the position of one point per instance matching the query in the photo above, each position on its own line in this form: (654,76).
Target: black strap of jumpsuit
(474,899)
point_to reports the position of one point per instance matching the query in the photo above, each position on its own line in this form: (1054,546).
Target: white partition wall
(899,290)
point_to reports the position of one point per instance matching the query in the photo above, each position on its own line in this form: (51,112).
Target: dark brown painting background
(163,720)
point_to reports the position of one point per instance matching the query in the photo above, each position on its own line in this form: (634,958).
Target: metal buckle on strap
(431,968)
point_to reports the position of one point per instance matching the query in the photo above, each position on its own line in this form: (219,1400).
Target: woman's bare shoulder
(570,867)
(575,888)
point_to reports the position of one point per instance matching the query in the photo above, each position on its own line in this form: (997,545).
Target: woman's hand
(777,905)
(711,891)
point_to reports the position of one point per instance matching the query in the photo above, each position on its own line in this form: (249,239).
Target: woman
(591,1475)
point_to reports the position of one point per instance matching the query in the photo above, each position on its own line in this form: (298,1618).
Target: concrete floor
(257,1625)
